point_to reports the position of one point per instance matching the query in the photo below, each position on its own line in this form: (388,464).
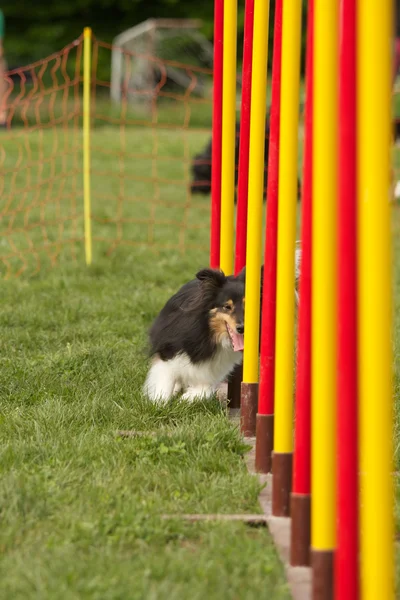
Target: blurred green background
(36,30)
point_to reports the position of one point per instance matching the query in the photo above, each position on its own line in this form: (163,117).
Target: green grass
(139,194)
(80,507)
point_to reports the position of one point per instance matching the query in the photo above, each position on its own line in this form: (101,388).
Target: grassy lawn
(81,507)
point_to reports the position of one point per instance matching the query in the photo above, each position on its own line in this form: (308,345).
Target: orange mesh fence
(142,153)
(40,163)
(144,148)
(142,177)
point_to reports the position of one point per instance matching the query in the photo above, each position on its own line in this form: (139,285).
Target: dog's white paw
(198,393)
(160,380)
(156,398)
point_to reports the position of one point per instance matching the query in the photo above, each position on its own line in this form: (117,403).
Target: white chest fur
(199,380)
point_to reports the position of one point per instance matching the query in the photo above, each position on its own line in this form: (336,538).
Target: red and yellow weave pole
(300,499)
(254,215)
(374,136)
(265,415)
(244,142)
(228,136)
(346,560)
(234,386)
(285,300)
(216,158)
(324,305)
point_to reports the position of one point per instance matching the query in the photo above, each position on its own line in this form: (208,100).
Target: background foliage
(35,30)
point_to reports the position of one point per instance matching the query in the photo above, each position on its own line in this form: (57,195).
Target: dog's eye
(228,307)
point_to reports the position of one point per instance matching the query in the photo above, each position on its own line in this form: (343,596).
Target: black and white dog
(198,337)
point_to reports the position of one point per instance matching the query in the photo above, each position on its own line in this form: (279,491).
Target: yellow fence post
(87,80)
(228,136)
(375,30)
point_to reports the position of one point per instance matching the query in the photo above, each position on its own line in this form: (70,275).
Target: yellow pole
(375,26)
(87,51)
(285,284)
(324,360)
(228,136)
(256,184)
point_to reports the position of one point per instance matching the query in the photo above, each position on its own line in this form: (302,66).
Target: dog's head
(224,298)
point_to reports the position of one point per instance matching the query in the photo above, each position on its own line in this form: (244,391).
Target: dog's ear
(212,277)
(242,275)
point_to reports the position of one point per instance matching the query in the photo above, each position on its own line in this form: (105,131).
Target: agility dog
(198,337)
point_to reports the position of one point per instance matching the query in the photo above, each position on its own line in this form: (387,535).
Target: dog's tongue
(237,340)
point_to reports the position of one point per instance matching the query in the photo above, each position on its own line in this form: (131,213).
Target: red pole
(234,385)
(216,159)
(300,501)
(346,564)
(265,419)
(244,144)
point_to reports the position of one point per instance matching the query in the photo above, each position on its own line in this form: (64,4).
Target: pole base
(281,483)
(322,574)
(264,443)
(248,408)
(300,510)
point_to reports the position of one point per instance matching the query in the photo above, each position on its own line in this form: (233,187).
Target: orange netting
(142,151)
(40,161)
(143,184)
(143,148)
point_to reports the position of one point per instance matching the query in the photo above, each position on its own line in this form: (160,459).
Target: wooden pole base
(281,483)
(300,511)
(322,575)
(248,408)
(264,443)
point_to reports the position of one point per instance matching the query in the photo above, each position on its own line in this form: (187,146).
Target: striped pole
(346,562)
(244,143)
(228,136)
(216,157)
(285,299)
(374,136)
(254,215)
(324,329)
(235,380)
(265,415)
(300,500)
